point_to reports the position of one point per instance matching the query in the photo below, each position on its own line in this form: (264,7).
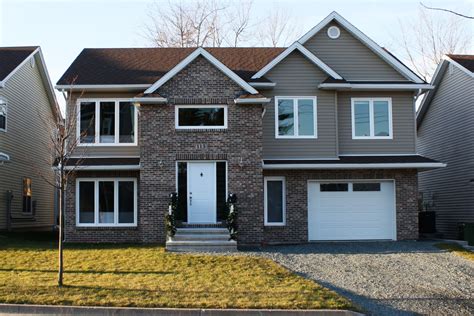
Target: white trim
(152,100)
(97,142)
(4,102)
(411,165)
(404,70)
(206,127)
(394,216)
(252,101)
(104,167)
(265,202)
(96,201)
(461,67)
(376,155)
(371,118)
(262,84)
(105,87)
(98,156)
(296,119)
(4,157)
(219,65)
(318,62)
(376,86)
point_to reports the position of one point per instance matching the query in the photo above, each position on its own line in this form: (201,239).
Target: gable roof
(144,66)
(13,57)
(382,53)
(214,61)
(297,46)
(463,62)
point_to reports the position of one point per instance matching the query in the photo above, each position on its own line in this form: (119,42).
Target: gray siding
(296,76)
(447,134)
(349,57)
(27,143)
(403,125)
(104,151)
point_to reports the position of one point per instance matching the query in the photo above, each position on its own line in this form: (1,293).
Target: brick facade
(296,228)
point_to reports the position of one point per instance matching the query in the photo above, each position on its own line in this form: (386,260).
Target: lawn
(457,249)
(148,276)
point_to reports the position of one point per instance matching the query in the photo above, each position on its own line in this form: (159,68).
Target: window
(295,117)
(3,115)
(27,194)
(363,187)
(107,122)
(334,32)
(106,202)
(275,201)
(202,116)
(371,118)
(334,187)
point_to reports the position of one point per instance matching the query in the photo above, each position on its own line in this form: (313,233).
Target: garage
(351,210)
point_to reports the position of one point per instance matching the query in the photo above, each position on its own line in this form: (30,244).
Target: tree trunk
(60,239)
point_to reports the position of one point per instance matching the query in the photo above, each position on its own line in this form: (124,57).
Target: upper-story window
(3,115)
(107,122)
(371,118)
(201,116)
(295,117)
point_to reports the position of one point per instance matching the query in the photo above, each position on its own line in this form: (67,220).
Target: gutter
(252,101)
(157,100)
(372,86)
(355,166)
(105,87)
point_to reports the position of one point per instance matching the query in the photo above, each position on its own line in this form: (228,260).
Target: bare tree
(447,10)
(278,28)
(62,143)
(424,41)
(240,21)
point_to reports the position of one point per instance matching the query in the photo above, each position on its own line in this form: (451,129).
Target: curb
(23,309)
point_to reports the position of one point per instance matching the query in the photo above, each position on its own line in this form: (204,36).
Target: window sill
(275,225)
(102,227)
(201,130)
(106,145)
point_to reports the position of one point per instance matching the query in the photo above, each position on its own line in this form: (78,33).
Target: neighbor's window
(3,115)
(274,201)
(27,195)
(295,117)
(106,202)
(107,122)
(371,118)
(189,117)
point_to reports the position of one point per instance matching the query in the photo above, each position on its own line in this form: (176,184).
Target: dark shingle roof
(467,61)
(11,57)
(147,65)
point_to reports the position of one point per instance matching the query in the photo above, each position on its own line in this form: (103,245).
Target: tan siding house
(26,199)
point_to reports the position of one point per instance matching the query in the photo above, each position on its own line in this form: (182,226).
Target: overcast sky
(64,27)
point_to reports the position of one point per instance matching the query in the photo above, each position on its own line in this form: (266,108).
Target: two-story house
(317,140)
(27,107)
(446,132)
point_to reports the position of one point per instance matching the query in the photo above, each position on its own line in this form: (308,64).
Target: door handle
(190,200)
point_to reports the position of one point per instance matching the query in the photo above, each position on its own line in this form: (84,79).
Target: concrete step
(190,236)
(201,245)
(205,231)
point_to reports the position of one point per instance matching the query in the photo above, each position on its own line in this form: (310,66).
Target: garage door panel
(348,215)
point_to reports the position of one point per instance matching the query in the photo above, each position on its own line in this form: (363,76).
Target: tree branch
(446,10)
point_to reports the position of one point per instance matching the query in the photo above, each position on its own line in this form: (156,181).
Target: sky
(64,27)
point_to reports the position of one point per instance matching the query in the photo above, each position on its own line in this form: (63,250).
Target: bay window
(107,122)
(106,202)
(371,118)
(295,117)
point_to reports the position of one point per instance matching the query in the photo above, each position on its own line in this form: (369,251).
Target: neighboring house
(27,105)
(317,140)
(446,132)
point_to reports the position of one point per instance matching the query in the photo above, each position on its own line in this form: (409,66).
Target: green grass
(147,276)
(457,249)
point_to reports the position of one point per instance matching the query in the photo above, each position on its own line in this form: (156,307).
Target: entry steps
(201,239)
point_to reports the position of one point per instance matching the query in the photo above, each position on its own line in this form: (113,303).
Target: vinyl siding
(104,151)
(349,57)
(26,141)
(403,125)
(447,134)
(296,76)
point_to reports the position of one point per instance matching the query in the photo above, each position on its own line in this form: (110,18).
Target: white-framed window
(107,122)
(106,202)
(371,118)
(295,117)
(275,201)
(3,115)
(201,116)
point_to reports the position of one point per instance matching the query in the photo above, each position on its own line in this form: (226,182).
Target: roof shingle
(467,61)
(12,57)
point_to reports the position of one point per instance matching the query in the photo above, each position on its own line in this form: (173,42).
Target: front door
(202,192)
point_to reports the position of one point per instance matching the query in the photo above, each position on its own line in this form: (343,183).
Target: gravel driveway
(386,278)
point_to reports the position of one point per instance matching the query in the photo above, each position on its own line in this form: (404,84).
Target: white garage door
(345,210)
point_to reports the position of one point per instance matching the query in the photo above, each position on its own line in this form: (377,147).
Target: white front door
(201,192)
